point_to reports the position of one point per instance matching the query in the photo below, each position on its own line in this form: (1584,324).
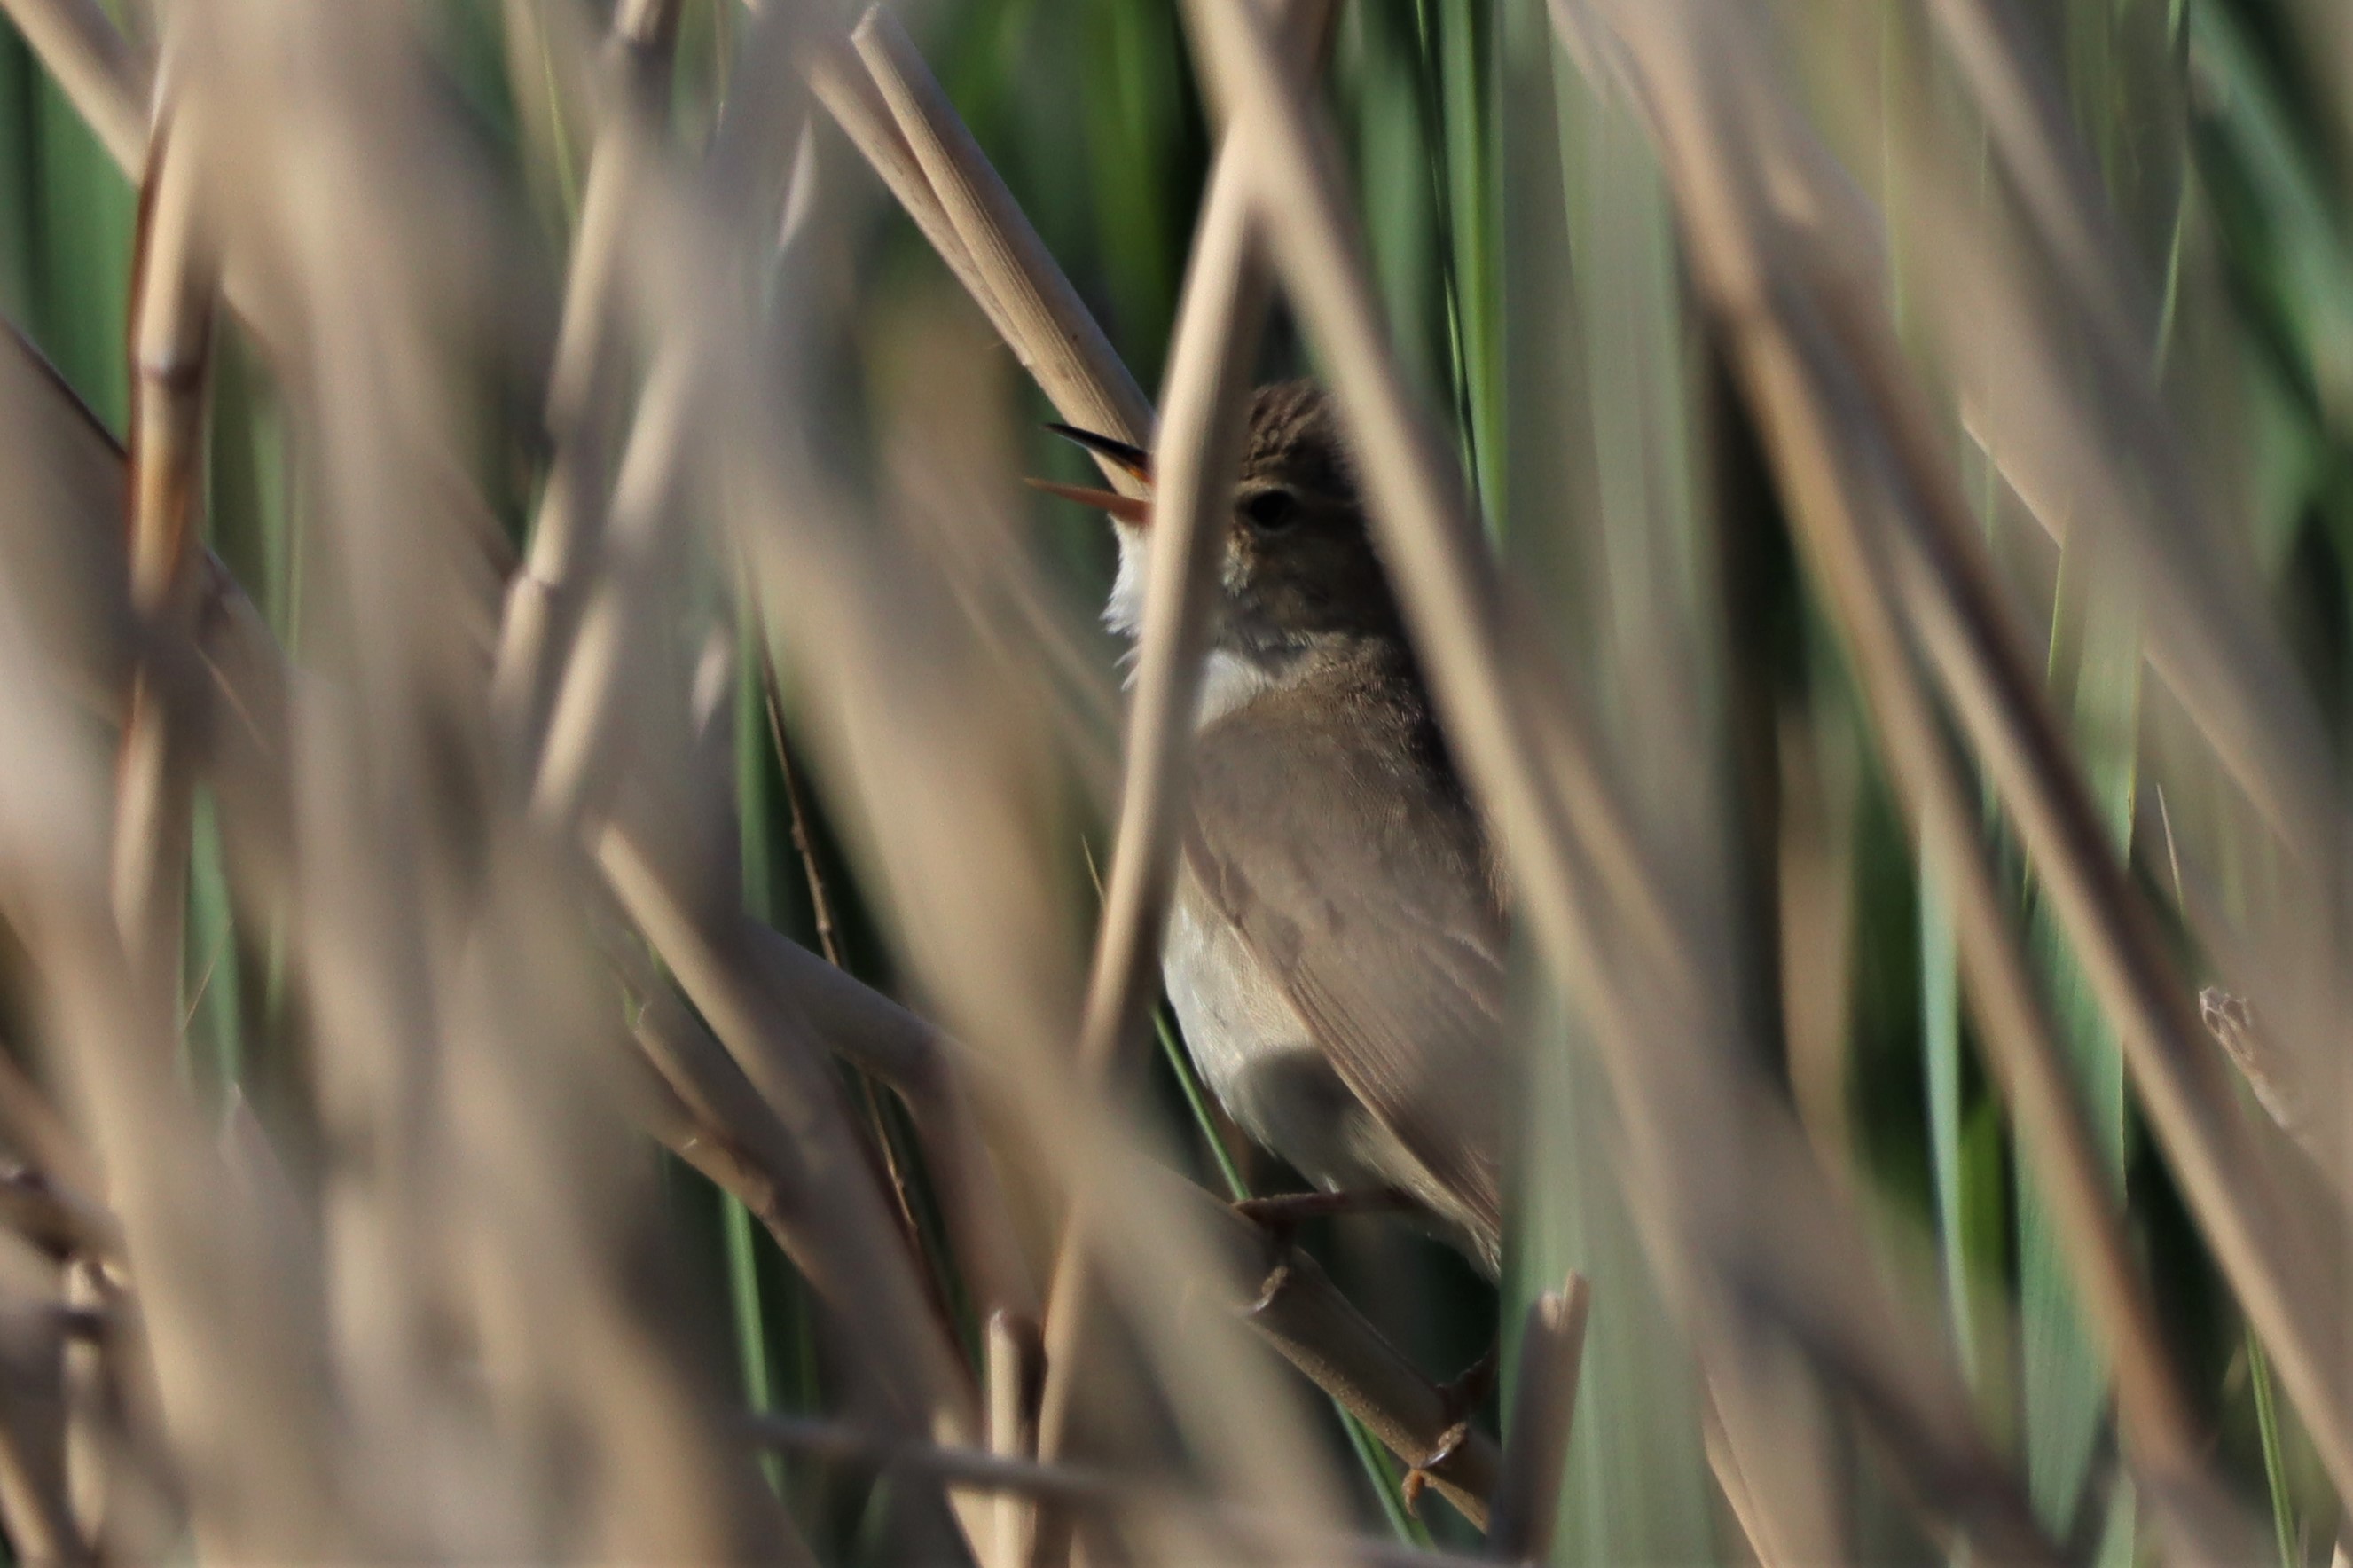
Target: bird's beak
(1133,511)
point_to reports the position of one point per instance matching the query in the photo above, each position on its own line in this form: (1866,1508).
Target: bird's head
(1298,558)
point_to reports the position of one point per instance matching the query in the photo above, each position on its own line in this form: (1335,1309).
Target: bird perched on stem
(1335,948)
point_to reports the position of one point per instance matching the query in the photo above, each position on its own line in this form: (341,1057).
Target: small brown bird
(1336,946)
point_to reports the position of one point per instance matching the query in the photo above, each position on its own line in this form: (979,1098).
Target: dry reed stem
(2267,1250)
(30,1125)
(103,75)
(580,730)
(1812,1276)
(841,82)
(1307,1320)
(1014,1362)
(1228,1527)
(845,1244)
(60,1222)
(1052,330)
(1785,353)
(1302,1314)
(1543,1411)
(880,1037)
(628,590)
(1212,349)
(173,287)
(445,985)
(584,391)
(226,1349)
(2276,1256)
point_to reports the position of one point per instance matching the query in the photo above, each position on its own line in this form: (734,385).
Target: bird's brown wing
(1328,830)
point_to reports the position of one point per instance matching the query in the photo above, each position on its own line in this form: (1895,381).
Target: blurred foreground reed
(558,1001)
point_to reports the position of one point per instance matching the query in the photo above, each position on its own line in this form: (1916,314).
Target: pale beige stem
(1543,1410)
(1014,1354)
(174,291)
(1052,328)
(841,82)
(583,391)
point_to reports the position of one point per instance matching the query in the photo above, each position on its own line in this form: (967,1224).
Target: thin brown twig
(1225,303)
(835,1218)
(842,83)
(828,937)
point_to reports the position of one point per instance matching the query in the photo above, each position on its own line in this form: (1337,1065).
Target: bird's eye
(1270,511)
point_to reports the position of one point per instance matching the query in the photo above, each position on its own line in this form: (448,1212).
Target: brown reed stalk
(1451,600)
(2084,437)
(584,389)
(845,1244)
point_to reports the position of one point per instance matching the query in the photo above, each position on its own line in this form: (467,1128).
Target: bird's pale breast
(1255,1054)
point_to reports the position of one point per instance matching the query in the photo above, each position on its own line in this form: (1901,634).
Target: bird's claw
(1269,1288)
(1418,1478)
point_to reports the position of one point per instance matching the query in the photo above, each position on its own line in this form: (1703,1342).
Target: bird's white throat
(1229,680)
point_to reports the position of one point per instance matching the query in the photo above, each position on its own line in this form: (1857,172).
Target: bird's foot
(1418,1478)
(1459,1399)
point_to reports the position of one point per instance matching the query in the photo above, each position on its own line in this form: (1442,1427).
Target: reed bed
(582,887)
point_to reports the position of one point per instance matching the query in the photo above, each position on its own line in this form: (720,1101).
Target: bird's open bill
(1134,510)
